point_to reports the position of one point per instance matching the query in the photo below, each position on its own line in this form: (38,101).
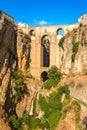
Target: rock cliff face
(14,52)
(7,62)
(69,122)
(23,50)
(73,56)
(7,56)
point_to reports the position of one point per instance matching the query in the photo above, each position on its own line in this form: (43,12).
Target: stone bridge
(44,46)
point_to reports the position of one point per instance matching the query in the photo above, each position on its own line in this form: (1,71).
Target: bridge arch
(45,51)
(60,32)
(44,76)
(32,32)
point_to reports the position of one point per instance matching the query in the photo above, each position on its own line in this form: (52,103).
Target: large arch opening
(60,32)
(45,51)
(44,76)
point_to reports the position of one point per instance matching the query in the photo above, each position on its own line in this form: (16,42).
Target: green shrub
(28,37)
(75,47)
(54,74)
(26,118)
(64,89)
(74,30)
(18,74)
(19,89)
(54,119)
(73,57)
(54,102)
(44,123)
(61,42)
(52,108)
(76,106)
(19,84)
(74,50)
(19,81)
(16,122)
(28,75)
(49,84)
(34,123)
(43,105)
(54,77)
(62,58)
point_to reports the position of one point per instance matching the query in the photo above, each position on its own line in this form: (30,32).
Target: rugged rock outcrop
(33,86)
(3,122)
(73,56)
(23,50)
(69,122)
(7,56)
(14,52)
(4,125)
(78,90)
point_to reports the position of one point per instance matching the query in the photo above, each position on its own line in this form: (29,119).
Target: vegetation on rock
(28,37)
(75,44)
(31,122)
(77,109)
(61,42)
(20,86)
(54,76)
(53,107)
(74,50)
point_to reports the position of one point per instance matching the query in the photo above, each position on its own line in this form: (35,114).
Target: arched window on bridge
(60,32)
(45,51)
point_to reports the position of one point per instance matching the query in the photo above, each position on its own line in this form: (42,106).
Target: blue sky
(49,12)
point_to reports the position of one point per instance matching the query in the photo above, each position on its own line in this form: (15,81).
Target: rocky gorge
(25,102)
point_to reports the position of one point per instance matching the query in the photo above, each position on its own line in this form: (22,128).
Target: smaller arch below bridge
(44,76)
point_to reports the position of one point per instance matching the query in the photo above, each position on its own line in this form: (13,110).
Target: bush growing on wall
(49,84)
(61,42)
(54,76)
(74,50)
(28,37)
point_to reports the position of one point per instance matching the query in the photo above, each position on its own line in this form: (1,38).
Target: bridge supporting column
(53,51)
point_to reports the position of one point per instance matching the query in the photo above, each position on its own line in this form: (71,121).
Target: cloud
(22,24)
(43,22)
